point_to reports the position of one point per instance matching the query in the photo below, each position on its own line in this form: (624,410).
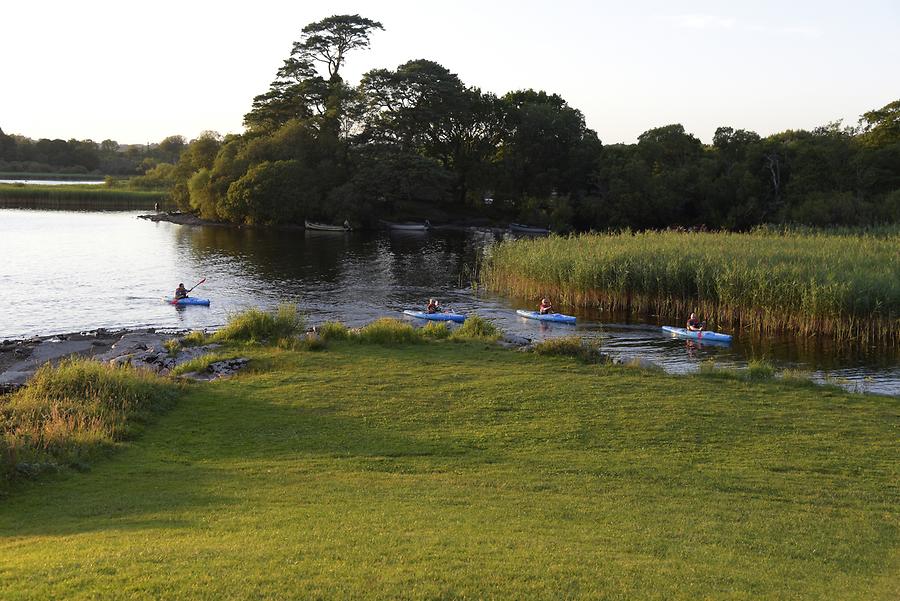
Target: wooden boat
(527,229)
(409,227)
(324,227)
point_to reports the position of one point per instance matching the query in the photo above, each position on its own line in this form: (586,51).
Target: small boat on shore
(325,227)
(556,317)
(409,227)
(702,335)
(455,317)
(527,229)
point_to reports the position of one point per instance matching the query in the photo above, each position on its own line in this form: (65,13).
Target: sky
(136,72)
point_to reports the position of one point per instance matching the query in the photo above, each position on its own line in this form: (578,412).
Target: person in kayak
(181,292)
(694,324)
(434,306)
(545,307)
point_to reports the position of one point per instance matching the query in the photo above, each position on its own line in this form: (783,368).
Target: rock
(515,340)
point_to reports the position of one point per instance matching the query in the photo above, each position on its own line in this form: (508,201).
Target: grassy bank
(846,286)
(72,412)
(376,468)
(75,196)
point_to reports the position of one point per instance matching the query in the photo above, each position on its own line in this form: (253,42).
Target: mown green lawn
(462,471)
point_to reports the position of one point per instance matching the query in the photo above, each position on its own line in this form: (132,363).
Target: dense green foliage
(417,141)
(449,471)
(847,285)
(68,413)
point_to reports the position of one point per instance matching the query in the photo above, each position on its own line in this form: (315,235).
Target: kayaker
(433,306)
(181,292)
(546,307)
(694,324)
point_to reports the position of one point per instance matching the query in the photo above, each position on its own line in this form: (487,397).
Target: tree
(171,148)
(881,127)
(298,91)
(422,107)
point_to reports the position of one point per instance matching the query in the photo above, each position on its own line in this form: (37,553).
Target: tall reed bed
(74,196)
(846,286)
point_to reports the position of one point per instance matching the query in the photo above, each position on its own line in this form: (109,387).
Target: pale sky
(137,72)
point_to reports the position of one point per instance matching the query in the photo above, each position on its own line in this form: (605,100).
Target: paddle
(175,301)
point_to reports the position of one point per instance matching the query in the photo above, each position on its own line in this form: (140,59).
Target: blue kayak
(702,335)
(436,316)
(557,317)
(188,300)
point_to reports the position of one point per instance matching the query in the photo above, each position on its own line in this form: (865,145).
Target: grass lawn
(449,470)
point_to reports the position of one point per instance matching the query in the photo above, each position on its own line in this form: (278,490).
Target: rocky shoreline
(145,348)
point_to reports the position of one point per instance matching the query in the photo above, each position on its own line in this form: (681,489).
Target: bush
(435,329)
(476,328)
(69,411)
(333,330)
(570,346)
(388,331)
(256,325)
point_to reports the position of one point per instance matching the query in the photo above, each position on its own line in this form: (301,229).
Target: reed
(78,193)
(809,282)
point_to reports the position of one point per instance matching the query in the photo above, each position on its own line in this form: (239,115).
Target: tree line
(20,154)
(415,141)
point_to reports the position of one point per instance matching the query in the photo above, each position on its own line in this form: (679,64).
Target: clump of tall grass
(197,364)
(68,412)
(435,330)
(387,330)
(582,349)
(845,286)
(333,330)
(309,342)
(476,327)
(194,338)
(760,369)
(256,325)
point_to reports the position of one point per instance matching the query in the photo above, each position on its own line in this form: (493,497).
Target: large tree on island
(299,91)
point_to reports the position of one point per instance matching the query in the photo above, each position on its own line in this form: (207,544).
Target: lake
(68,271)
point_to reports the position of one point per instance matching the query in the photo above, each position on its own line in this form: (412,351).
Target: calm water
(64,271)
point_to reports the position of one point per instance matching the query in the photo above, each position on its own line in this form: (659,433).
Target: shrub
(476,328)
(256,325)
(388,331)
(333,330)
(435,329)
(570,346)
